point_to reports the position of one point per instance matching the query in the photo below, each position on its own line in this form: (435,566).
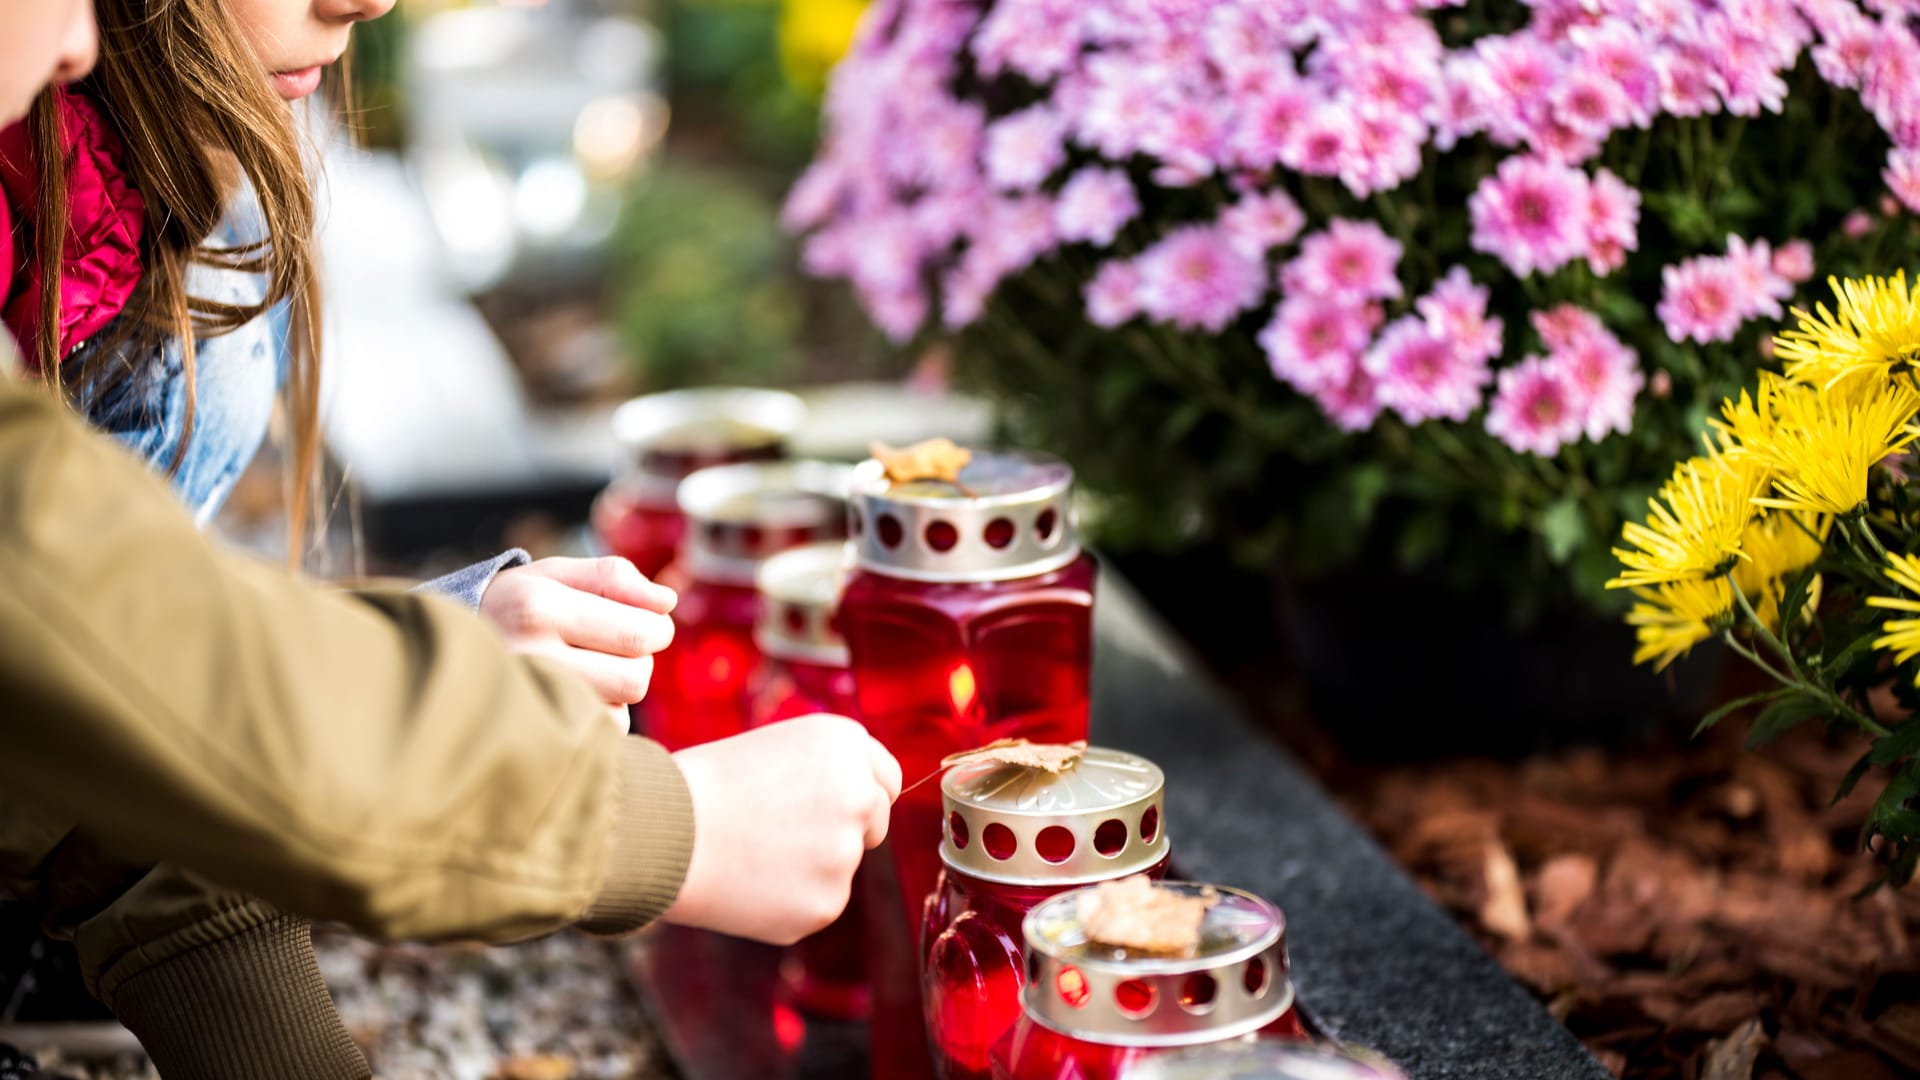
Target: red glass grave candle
(737,517)
(968,618)
(1014,837)
(664,438)
(1093,1012)
(803,670)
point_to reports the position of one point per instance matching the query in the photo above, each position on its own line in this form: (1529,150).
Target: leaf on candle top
(933,459)
(1135,914)
(1052,757)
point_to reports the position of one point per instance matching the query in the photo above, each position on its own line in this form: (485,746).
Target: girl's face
(294,39)
(41,42)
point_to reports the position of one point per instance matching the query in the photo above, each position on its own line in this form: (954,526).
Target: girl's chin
(294,85)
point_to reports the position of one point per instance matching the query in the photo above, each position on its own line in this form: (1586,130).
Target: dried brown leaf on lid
(1051,757)
(1504,911)
(1733,1057)
(1136,915)
(933,459)
(538,1067)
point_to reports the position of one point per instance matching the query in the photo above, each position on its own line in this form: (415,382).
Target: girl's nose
(352,10)
(80,47)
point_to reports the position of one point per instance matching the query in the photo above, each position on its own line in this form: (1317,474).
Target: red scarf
(100,265)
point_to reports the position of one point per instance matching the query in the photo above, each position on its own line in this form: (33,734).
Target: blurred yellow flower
(1875,324)
(1823,444)
(1775,547)
(1902,635)
(1671,619)
(1694,525)
(814,35)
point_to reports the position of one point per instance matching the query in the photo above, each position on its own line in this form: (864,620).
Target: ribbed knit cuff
(242,1008)
(651,844)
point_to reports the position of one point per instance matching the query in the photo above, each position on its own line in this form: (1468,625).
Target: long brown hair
(186,95)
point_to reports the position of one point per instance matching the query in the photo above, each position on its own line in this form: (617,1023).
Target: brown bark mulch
(1688,910)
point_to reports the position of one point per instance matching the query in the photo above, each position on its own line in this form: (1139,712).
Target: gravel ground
(556,1009)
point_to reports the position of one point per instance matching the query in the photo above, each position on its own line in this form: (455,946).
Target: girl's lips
(293,85)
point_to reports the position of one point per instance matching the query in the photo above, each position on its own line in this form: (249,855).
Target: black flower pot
(1400,667)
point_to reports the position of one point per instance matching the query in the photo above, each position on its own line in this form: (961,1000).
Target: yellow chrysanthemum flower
(1775,547)
(1694,524)
(1671,619)
(1823,444)
(1902,635)
(1748,420)
(1874,325)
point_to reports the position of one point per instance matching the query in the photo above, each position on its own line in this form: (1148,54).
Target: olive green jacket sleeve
(377,758)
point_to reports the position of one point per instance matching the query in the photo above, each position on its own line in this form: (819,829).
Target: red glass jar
(1015,837)
(1241,1060)
(664,438)
(968,618)
(738,516)
(1093,1012)
(803,670)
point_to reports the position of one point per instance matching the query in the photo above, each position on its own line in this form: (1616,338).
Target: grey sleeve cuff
(469,583)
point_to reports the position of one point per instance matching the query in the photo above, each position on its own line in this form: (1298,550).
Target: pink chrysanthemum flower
(1749,82)
(1604,376)
(1793,260)
(1565,326)
(1591,103)
(1351,261)
(1613,222)
(1531,215)
(1701,301)
(1753,268)
(1311,343)
(1196,280)
(1421,375)
(1262,221)
(1094,205)
(1267,120)
(1902,175)
(1352,401)
(965,289)
(1319,143)
(1846,49)
(1533,410)
(1618,49)
(1113,296)
(1689,84)
(1024,148)
(1455,310)
(946,143)
(1522,71)
(1037,38)
(1460,109)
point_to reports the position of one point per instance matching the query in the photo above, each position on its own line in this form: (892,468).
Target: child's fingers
(886,769)
(593,622)
(612,577)
(619,680)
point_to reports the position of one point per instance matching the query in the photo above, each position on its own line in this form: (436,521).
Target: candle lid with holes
(738,516)
(1234,984)
(1263,1061)
(668,436)
(799,592)
(1010,516)
(1098,819)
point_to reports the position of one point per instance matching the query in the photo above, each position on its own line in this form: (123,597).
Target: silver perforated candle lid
(1235,983)
(666,437)
(1266,1060)
(738,516)
(1014,519)
(799,594)
(1098,819)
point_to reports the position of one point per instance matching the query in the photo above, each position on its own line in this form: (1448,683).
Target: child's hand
(781,816)
(600,617)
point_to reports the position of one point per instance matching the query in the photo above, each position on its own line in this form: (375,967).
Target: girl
(162,275)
